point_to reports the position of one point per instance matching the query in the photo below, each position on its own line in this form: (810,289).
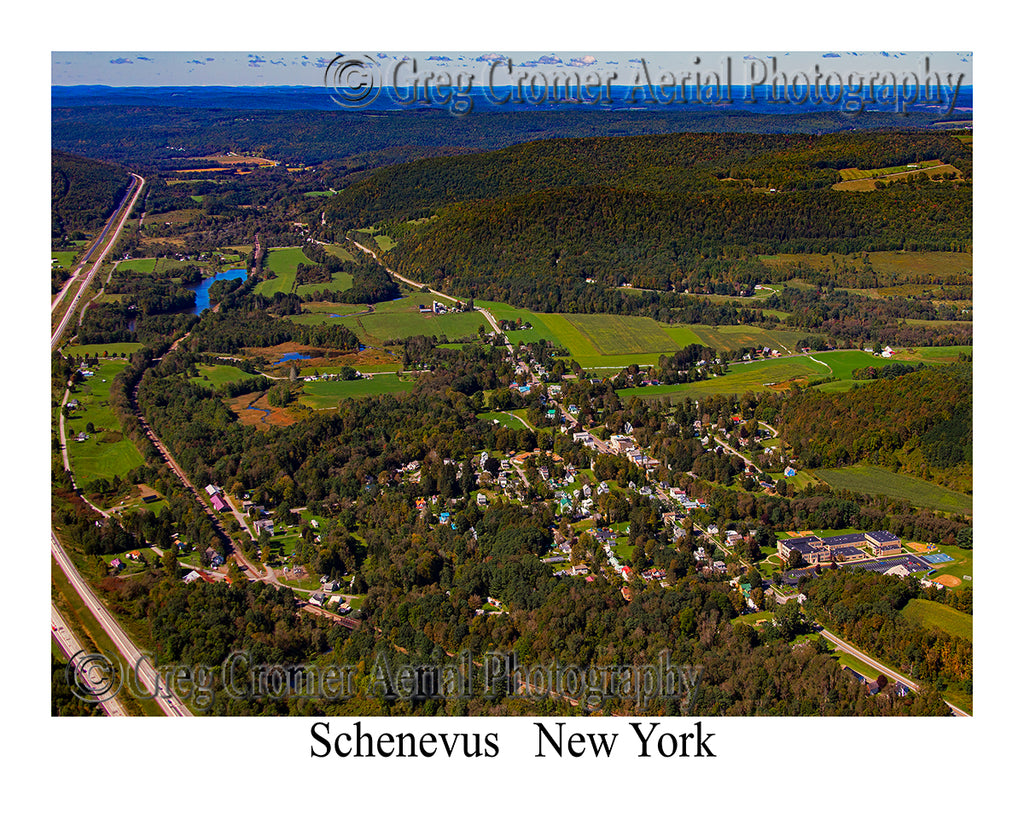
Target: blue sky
(255,68)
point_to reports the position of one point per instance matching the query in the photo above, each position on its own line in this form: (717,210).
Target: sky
(257,68)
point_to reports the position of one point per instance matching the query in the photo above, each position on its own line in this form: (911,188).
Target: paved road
(892,675)
(168,701)
(72,648)
(120,217)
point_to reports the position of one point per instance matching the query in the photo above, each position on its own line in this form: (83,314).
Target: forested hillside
(919,422)
(535,222)
(84,192)
(667,163)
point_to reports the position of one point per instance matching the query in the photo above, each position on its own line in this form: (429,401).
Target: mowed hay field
(284,262)
(764,375)
(616,335)
(107,452)
(401,319)
(874,480)
(930,614)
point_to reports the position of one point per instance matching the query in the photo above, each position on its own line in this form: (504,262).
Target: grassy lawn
(116,348)
(324,394)
(339,283)
(506,418)
(107,452)
(929,614)
(65,258)
(217,375)
(873,480)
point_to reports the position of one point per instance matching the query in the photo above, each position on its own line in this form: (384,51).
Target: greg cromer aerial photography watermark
(356,81)
(96,678)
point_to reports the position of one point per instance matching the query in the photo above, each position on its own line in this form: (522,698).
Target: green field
(932,355)
(217,375)
(931,263)
(65,258)
(929,614)
(341,252)
(508,419)
(764,374)
(107,452)
(873,480)
(755,376)
(401,319)
(282,261)
(870,173)
(616,335)
(116,348)
(137,265)
(735,337)
(325,394)
(319,193)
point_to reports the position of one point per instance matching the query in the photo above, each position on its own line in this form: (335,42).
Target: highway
(119,218)
(69,644)
(168,701)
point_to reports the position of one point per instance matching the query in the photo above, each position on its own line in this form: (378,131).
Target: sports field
(873,480)
(325,394)
(107,452)
(930,614)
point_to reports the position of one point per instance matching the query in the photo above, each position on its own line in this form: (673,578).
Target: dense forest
(84,193)
(557,225)
(664,164)
(919,422)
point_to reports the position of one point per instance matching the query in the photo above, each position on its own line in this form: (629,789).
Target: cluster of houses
(624,445)
(438,308)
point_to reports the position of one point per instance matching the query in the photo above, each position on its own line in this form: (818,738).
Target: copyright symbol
(93,677)
(355,81)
